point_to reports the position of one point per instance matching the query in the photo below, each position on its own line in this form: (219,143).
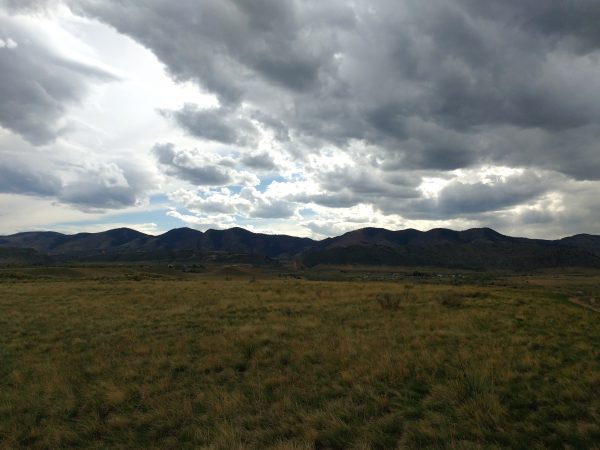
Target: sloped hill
(588,242)
(42,241)
(240,240)
(177,239)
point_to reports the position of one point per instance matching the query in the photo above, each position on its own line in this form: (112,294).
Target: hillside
(10,256)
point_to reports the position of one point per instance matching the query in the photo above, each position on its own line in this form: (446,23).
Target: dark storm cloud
(223,45)
(215,124)
(467,72)
(576,21)
(472,73)
(38,84)
(185,166)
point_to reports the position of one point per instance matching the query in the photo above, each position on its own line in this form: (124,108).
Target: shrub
(388,300)
(452,299)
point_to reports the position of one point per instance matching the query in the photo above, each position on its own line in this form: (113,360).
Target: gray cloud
(38,84)
(94,195)
(27,5)
(276,126)
(345,187)
(99,187)
(543,219)
(21,179)
(367,181)
(476,200)
(459,199)
(182,165)
(399,193)
(574,152)
(273,210)
(107,186)
(573,22)
(260,161)
(215,124)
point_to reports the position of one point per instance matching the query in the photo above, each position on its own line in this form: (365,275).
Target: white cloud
(8,43)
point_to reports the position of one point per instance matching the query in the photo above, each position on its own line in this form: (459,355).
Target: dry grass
(288,364)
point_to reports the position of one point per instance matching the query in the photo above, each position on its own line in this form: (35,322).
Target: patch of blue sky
(159,199)
(266,181)
(307,213)
(233,188)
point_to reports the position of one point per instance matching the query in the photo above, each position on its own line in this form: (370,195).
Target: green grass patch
(204,362)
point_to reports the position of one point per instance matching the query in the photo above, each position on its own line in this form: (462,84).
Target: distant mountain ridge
(476,248)
(124,242)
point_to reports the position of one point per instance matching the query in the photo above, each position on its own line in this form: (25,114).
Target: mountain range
(477,248)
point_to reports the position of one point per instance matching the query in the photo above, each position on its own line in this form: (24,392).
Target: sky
(305,117)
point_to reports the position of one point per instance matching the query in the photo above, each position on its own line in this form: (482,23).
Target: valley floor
(127,358)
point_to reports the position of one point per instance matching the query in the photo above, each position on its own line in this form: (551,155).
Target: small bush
(452,299)
(387,300)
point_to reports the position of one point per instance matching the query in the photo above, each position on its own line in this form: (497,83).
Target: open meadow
(132,358)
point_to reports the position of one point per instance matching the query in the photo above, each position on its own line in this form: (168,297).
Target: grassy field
(110,358)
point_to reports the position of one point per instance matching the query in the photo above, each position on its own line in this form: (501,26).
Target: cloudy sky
(302,117)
